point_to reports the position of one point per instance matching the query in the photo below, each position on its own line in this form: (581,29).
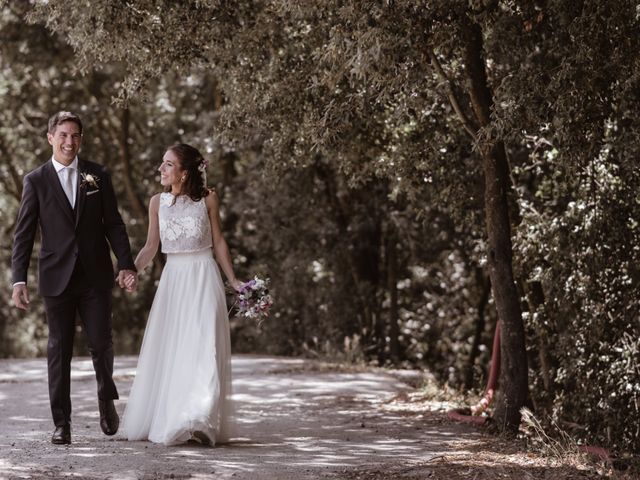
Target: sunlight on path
(293,423)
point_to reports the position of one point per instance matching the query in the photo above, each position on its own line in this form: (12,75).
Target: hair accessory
(202,166)
(203,170)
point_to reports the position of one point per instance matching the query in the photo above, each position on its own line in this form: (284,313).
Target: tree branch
(468,125)
(481,98)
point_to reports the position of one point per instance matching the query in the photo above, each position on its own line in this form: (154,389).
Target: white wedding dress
(183,380)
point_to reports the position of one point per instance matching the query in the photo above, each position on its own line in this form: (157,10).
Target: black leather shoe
(201,437)
(109,420)
(62,435)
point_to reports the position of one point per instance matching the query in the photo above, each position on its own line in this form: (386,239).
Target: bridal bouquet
(254,300)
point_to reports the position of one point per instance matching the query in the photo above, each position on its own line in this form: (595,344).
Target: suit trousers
(93,306)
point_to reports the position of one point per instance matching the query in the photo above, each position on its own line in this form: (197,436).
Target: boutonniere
(89,180)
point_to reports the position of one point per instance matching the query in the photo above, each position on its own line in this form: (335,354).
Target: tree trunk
(367,253)
(392,285)
(125,155)
(513,375)
(480,324)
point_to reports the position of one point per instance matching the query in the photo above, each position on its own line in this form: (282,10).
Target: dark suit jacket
(68,233)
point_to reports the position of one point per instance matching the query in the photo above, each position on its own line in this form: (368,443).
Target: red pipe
(473,415)
(494,374)
(463,414)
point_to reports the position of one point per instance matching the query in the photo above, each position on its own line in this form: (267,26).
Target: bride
(183,380)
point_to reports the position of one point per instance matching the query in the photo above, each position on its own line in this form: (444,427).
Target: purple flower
(254,300)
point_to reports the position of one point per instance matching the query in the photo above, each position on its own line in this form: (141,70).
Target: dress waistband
(197,256)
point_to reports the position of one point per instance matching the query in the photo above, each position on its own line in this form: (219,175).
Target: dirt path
(295,422)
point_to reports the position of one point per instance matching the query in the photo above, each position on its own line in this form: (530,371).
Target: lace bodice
(184,226)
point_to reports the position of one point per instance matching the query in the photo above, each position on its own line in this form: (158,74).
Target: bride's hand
(236,284)
(130,281)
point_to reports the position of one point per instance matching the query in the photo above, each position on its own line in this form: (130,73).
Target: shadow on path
(291,424)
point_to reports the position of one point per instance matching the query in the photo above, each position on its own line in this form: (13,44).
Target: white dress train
(183,378)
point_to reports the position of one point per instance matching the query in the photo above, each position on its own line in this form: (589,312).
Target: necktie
(67,184)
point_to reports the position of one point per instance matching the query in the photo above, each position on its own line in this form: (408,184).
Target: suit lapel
(80,192)
(58,191)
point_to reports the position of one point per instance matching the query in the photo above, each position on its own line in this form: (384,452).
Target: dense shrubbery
(579,241)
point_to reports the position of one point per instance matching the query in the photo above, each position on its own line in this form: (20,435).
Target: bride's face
(171,172)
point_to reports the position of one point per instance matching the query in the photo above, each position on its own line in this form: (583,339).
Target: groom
(73,203)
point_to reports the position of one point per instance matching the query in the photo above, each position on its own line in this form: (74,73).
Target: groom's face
(65,140)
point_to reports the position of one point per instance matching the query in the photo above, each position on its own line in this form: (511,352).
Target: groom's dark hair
(61,117)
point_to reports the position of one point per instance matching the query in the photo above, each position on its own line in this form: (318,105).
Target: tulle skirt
(183,379)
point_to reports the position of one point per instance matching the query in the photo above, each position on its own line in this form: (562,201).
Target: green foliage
(338,154)
(579,238)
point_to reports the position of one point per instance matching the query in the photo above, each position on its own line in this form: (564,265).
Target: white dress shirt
(63,171)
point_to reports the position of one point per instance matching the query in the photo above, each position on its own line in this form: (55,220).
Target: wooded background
(406,173)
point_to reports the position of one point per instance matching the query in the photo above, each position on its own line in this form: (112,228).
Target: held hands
(128,279)
(20,297)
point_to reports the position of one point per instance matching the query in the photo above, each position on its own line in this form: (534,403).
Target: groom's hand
(20,296)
